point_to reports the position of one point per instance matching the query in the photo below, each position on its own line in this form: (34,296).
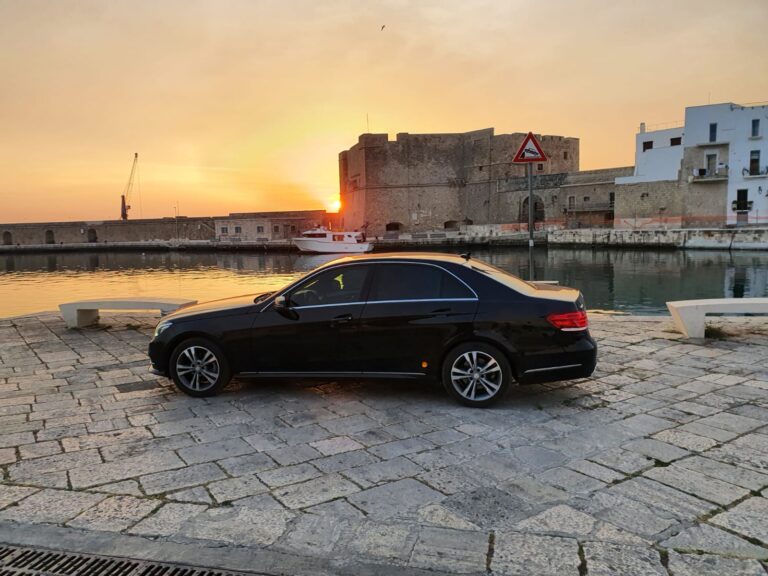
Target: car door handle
(442,311)
(342,319)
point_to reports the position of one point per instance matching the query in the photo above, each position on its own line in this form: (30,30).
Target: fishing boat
(324,241)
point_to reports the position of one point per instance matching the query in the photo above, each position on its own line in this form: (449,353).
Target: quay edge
(674,239)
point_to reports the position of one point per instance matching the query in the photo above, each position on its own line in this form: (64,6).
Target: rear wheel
(476,374)
(199,368)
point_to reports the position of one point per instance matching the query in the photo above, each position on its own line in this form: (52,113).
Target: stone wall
(430,181)
(110,231)
(193,229)
(721,239)
(684,203)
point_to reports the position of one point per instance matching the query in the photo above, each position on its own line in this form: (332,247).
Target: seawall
(674,239)
(681,238)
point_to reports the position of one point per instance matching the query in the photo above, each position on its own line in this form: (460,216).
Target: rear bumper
(578,361)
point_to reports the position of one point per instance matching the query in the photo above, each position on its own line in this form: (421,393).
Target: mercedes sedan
(443,317)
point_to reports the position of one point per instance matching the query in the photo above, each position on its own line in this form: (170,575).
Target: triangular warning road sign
(530,151)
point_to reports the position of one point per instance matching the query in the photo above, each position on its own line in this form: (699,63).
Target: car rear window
(415,282)
(502,276)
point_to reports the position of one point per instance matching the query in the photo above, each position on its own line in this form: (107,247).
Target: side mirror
(283,307)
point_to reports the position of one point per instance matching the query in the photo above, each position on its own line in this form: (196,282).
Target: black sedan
(419,316)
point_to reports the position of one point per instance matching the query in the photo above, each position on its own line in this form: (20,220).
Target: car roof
(561,293)
(404,256)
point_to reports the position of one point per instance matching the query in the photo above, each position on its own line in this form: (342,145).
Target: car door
(413,310)
(318,330)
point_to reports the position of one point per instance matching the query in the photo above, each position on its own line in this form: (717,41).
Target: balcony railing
(704,175)
(751,173)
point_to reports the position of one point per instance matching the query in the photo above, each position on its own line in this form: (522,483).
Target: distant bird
(382,27)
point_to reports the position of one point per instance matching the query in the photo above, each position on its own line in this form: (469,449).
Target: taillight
(569,321)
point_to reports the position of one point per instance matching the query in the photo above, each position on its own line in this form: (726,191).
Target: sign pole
(531,275)
(529,152)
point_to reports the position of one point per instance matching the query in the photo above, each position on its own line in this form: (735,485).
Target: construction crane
(125,199)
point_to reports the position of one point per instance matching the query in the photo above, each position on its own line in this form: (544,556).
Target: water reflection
(634,281)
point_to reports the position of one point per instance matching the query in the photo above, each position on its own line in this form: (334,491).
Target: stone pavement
(656,465)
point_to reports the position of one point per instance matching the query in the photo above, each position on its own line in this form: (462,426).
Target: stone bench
(688,315)
(86,312)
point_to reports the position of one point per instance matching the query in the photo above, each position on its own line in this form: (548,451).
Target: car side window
(415,282)
(337,286)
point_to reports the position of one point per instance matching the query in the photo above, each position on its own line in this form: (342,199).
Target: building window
(539,167)
(49,238)
(742,200)
(260,229)
(754,162)
(755,127)
(238,229)
(711,165)
(612,199)
(586,199)
(571,202)
(293,228)
(224,230)
(7,238)
(565,154)
(393,227)
(276,229)
(647,145)
(675,141)
(713,132)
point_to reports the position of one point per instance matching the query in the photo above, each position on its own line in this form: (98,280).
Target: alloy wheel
(198,368)
(476,375)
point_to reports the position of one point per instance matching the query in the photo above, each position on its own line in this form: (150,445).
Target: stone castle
(422,182)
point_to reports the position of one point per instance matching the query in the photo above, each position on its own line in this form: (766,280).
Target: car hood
(221,307)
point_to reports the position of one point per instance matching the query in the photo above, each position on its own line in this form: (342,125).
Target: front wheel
(476,374)
(199,367)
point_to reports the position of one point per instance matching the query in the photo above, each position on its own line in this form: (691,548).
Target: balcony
(751,174)
(702,175)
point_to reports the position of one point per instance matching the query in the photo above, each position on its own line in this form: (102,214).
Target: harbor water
(630,281)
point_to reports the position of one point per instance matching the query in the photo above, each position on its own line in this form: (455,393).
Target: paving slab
(395,498)
(51,506)
(524,554)
(114,514)
(704,538)
(709,565)
(749,518)
(456,551)
(608,559)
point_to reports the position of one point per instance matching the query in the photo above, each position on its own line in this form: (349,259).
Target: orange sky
(242,105)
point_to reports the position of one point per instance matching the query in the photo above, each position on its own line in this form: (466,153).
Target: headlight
(162,327)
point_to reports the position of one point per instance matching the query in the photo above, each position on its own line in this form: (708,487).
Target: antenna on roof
(466,256)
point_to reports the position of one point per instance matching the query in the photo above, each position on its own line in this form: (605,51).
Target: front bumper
(158,358)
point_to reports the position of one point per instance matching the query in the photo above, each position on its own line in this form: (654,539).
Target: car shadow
(395,392)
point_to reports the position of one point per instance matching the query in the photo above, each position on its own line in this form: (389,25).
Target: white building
(719,143)
(729,142)
(658,155)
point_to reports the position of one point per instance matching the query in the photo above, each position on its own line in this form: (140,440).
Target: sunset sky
(244,105)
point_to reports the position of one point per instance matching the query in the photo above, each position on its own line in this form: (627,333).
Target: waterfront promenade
(658,464)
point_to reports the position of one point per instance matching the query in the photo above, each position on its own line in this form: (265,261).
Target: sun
(334,205)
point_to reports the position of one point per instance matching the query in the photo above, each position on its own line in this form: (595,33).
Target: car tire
(199,368)
(476,374)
